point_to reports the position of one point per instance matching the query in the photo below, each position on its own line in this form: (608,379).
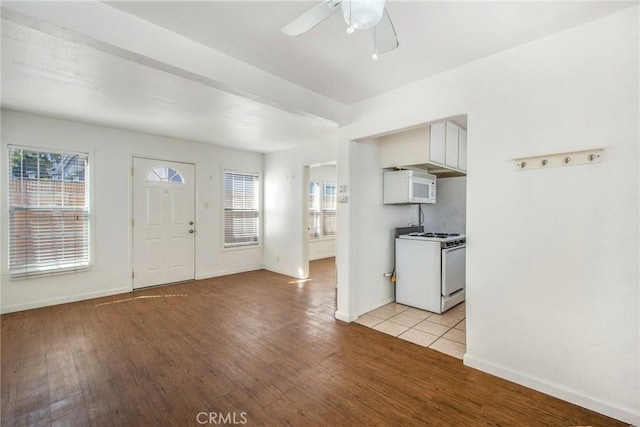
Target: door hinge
(132,222)
(131,171)
(132,275)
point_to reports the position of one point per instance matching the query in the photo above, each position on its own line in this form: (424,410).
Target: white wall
(324,247)
(285,219)
(375,230)
(111,151)
(552,255)
(449,214)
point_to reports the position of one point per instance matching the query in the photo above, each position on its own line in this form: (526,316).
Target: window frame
(242,245)
(325,209)
(169,179)
(27,272)
(322,210)
(315,210)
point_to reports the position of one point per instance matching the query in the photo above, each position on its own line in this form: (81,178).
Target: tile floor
(445,332)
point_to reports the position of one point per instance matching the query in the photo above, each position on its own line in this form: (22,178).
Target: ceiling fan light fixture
(362,14)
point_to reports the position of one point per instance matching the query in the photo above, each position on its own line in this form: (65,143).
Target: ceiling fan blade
(312,17)
(384,35)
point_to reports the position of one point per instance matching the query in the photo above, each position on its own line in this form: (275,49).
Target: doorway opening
(320,219)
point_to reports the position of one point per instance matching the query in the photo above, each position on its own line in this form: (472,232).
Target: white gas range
(430,270)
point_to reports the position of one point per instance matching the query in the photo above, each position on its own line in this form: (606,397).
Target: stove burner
(436,235)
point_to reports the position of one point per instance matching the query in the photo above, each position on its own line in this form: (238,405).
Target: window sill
(322,239)
(241,247)
(33,272)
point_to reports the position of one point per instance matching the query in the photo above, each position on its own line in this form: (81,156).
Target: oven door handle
(454,248)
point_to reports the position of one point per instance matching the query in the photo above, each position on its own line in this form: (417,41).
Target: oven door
(453,269)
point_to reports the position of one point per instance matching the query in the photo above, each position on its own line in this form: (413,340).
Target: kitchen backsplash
(449,213)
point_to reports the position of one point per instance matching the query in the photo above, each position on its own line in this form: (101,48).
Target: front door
(163,222)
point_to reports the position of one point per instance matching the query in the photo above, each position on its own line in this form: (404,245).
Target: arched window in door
(165,174)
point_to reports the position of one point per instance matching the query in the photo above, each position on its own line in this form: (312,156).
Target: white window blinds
(314,210)
(48,212)
(241,209)
(329,220)
(322,221)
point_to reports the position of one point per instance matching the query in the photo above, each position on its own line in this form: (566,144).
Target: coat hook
(547,161)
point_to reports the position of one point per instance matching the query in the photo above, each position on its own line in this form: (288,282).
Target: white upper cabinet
(441,148)
(451,145)
(448,145)
(462,150)
(437,148)
(410,147)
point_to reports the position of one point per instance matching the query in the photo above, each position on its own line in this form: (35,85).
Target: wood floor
(256,347)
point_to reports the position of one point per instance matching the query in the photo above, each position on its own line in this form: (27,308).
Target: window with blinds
(322,220)
(314,210)
(48,212)
(329,218)
(241,209)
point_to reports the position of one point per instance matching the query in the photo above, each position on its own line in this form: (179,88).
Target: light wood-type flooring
(256,348)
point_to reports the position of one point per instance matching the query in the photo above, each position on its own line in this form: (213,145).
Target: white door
(163,222)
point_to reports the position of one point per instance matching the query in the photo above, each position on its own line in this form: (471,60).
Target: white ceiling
(90,62)
(48,75)
(434,36)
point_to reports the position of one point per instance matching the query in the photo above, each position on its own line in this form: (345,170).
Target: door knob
(192,231)
(190,222)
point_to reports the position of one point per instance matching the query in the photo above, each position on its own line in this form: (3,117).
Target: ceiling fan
(358,14)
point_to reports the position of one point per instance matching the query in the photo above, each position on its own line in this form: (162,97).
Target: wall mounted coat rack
(583,157)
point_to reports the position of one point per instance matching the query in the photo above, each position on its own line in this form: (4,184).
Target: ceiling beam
(110,30)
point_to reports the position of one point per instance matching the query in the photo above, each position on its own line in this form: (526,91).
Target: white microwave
(408,186)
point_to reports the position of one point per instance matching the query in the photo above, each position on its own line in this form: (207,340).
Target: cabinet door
(405,148)
(451,148)
(462,150)
(437,143)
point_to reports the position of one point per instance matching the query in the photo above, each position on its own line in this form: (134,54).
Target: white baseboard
(105,293)
(281,271)
(625,414)
(64,300)
(321,256)
(227,272)
(344,317)
(374,306)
